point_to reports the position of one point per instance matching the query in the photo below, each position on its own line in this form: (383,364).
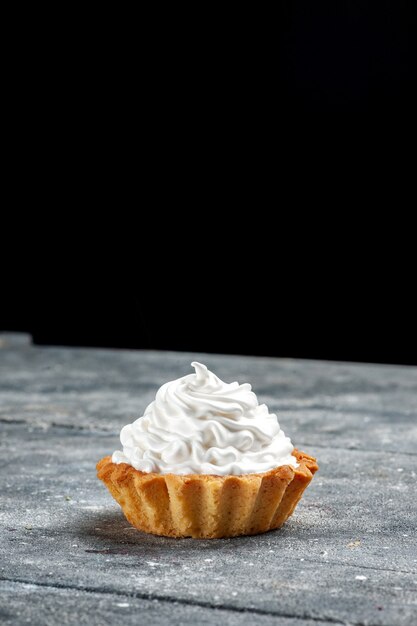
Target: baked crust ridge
(207,506)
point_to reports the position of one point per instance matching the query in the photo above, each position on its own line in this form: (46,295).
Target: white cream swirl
(198,424)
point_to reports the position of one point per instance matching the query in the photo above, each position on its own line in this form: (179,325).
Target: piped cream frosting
(199,424)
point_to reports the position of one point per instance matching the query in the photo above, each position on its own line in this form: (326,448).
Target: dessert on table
(206,460)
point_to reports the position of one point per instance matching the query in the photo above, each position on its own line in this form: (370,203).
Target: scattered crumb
(354,544)
(28,527)
(361,578)
(67,498)
(208,560)
(122,605)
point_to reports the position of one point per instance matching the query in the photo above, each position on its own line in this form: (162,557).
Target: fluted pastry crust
(207,506)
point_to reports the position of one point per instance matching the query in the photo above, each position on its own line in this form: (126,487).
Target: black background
(327,301)
(248,193)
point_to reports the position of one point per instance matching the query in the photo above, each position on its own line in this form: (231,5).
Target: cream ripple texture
(199,424)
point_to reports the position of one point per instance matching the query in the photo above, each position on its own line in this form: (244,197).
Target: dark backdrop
(339,304)
(129,189)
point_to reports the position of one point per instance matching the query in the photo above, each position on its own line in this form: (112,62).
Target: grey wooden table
(68,556)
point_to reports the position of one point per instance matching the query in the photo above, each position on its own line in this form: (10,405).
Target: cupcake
(206,460)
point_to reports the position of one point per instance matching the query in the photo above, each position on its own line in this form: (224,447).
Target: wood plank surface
(347,556)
